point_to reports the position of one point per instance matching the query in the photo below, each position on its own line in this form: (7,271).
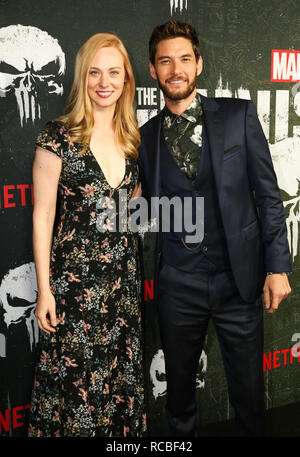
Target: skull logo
(31,64)
(18,295)
(288,176)
(175,3)
(158,373)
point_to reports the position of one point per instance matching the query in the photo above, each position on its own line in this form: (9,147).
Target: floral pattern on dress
(89,376)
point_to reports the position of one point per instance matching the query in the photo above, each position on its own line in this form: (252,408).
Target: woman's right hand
(46,305)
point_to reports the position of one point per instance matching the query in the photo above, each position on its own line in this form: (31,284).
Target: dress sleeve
(52,138)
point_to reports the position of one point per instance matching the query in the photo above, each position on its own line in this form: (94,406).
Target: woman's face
(106,78)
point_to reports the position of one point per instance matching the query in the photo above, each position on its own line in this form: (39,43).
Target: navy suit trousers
(186,302)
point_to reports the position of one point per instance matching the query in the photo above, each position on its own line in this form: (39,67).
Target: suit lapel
(154,169)
(214,125)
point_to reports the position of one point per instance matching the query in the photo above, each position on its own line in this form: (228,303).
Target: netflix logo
(148,290)
(16,195)
(277,359)
(285,66)
(13,418)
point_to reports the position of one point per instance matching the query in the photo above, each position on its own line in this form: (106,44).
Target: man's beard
(179,95)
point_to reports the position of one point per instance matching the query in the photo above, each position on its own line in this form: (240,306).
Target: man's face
(175,68)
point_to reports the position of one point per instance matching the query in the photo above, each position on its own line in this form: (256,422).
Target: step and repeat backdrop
(251,49)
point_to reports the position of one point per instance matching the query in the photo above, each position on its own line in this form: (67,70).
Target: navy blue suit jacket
(249,198)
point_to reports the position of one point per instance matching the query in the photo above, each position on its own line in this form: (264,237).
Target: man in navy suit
(213,148)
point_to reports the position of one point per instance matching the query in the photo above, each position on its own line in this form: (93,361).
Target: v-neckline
(100,168)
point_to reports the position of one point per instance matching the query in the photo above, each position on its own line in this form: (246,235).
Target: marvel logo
(285,66)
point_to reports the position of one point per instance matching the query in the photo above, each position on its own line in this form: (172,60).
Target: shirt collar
(191,114)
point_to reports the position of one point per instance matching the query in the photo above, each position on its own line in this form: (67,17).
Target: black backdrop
(237,38)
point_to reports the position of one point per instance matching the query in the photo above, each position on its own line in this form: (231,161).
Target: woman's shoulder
(52,137)
(55,127)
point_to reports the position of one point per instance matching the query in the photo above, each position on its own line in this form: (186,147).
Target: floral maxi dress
(89,377)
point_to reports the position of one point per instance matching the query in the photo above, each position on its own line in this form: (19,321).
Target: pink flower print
(78,383)
(91,409)
(105,421)
(63,301)
(54,354)
(39,433)
(104,243)
(83,394)
(119,399)
(87,295)
(69,140)
(119,266)
(129,352)
(128,341)
(87,190)
(104,340)
(122,322)
(69,236)
(130,402)
(55,369)
(56,416)
(53,145)
(117,284)
(144,418)
(69,420)
(106,389)
(75,218)
(86,327)
(86,241)
(69,335)
(106,407)
(44,357)
(61,319)
(125,430)
(125,241)
(93,378)
(72,277)
(93,214)
(114,362)
(105,258)
(36,383)
(79,209)
(127,179)
(67,191)
(103,308)
(79,298)
(69,362)
(62,129)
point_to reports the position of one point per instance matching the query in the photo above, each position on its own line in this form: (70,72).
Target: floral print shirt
(183,135)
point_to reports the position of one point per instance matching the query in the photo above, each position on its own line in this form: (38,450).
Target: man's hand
(276,288)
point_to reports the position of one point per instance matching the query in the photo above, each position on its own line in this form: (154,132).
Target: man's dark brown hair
(173,29)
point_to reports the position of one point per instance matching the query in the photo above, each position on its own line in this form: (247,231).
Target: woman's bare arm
(46,171)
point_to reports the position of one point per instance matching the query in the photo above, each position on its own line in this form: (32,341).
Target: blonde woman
(89,373)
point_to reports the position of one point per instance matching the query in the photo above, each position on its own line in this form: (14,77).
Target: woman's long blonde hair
(79,118)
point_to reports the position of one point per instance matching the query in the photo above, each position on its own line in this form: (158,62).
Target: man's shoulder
(226,102)
(152,124)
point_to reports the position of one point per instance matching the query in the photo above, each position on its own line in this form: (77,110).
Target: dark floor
(283,421)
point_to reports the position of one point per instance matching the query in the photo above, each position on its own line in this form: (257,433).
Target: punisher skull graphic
(32,64)
(158,373)
(286,152)
(18,295)
(174,4)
